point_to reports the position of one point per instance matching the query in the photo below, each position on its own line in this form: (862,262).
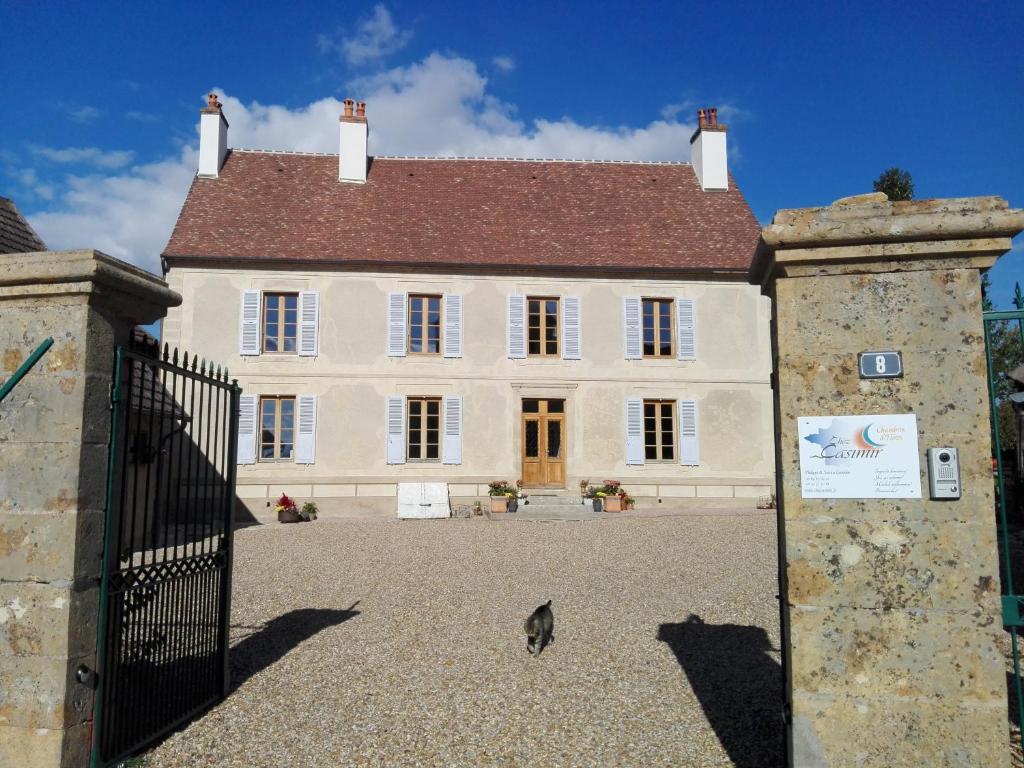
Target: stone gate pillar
(54,427)
(891,609)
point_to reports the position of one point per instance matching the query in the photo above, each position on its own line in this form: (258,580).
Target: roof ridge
(468,157)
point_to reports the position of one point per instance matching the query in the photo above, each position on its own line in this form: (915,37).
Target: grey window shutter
(686,329)
(452,429)
(249,324)
(452,325)
(516,326)
(247,419)
(689,437)
(631,327)
(634,430)
(395,428)
(397,308)
(572,340)
(309,323)
(305,435)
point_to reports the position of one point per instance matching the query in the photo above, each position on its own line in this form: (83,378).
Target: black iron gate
(165,596)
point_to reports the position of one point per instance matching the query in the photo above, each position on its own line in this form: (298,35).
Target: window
(542,326)
(657,326)
(659,430)
(424,429)
(277,428)
(425,325)
(280,321)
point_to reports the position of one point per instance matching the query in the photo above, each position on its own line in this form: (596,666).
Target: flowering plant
(500,488)
(285,504)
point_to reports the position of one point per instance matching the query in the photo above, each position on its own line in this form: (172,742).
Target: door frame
(543,417)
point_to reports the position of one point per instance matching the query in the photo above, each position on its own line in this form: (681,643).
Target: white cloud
(376,38)
(504,63)
(129,216)
(31,183)
(86,155)
(84,114)
(438,106)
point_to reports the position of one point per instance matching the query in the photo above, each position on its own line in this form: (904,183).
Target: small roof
(465,212)
(16,234)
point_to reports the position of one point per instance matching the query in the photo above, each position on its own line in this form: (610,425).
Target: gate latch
(86,676)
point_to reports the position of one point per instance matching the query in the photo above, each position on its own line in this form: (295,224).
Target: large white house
(396,319)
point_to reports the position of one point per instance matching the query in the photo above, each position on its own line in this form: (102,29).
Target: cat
(540,629)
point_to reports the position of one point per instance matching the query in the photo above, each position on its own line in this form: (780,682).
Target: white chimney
(707,151)
(354,132)
(213,138)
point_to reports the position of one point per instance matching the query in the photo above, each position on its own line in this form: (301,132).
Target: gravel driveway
(366,642)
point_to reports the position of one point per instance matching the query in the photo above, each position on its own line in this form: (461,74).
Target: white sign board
(859,457)
(420,501)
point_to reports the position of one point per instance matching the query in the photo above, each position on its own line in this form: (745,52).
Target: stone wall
(54,429)
(891,610)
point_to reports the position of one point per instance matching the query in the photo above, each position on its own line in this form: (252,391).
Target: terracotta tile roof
(466,213)
(16,234)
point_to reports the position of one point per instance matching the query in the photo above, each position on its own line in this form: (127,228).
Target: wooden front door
(543,443)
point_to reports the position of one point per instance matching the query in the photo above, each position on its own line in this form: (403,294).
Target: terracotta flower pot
(499,504)
(613,504)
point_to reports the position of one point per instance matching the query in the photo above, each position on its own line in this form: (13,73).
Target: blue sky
(101,100)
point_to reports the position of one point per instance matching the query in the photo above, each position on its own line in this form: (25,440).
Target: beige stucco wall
(353,374)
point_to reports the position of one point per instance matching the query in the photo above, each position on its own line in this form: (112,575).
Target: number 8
(879,363)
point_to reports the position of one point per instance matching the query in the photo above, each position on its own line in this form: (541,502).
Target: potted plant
(612,489)
(286,510)
(612,494)
(308,511)
(500,493)
(629,502)
(599,497)
(585,492)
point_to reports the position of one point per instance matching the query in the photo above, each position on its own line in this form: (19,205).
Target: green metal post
(24,368)
(1003,523)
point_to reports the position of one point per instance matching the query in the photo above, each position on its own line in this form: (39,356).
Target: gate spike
(202,367)
(166,351)
(184,359)
(225,373)
(195,362)
(217,375)
(174,357)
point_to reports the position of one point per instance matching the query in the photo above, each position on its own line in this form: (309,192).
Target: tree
(896,183)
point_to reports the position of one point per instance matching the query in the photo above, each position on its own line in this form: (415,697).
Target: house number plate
(881,365)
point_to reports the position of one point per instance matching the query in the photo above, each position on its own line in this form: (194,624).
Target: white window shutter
(249,324)
(686,329)
(247,428)
(452,325)
(397,309)
(452,429)
(516,326)
(309,323)
(631,327)
(689,437)
(305,434)
(395,428)
(572,340)
(634,430)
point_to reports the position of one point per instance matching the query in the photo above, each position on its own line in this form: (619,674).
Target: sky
(101,100)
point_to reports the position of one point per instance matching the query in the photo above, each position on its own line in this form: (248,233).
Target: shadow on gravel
(271,641)
(737,683)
